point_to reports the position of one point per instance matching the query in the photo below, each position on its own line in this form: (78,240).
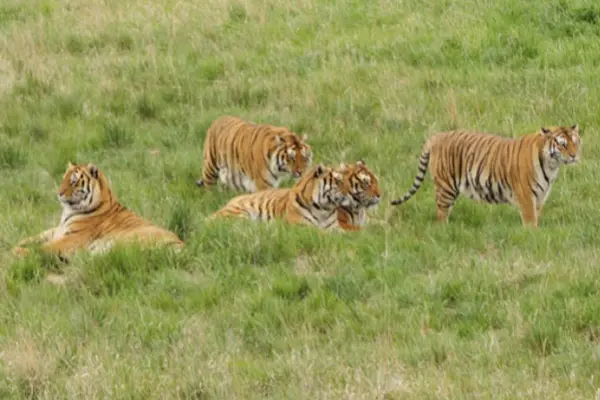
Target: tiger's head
(320,187)
(563,143)
(292,155)
(82,187)
(360,186)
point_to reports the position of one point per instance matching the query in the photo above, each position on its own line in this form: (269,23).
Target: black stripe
(480,168)
(501,193)
(459,172)
(349,211)
(533,190)
(333,220)
(490,197)
(301,203)
(540,160)
(255,137)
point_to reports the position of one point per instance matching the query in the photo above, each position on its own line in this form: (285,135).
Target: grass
(406,309)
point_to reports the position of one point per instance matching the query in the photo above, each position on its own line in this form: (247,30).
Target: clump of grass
(125,268)
(180,221)
(147,107)
(12,156)
(116,135)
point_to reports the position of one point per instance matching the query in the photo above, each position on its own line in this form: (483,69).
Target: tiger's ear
(70,165)
(360,163)
(93,170)
(546,131)
(319,170)
(575,128)
(304,137)
(343,166)
(278,140)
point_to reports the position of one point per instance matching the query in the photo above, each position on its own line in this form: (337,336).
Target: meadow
(405,309)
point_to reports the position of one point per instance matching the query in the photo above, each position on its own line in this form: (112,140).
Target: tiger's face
(76,190)
(360,186)
(321,186)
(564,143)
(293,156)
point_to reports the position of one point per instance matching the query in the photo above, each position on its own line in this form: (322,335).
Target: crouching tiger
(252,157)
(494,169)
(93,219)
(313,200)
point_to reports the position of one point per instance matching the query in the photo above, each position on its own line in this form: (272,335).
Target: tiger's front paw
(20,251)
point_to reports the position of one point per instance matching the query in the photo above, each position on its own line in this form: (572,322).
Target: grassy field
(406,309)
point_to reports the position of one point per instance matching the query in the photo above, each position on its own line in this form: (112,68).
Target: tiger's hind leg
(210,172)
(227,212)
(445,197)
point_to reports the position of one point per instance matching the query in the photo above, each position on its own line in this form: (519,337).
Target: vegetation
(407,309)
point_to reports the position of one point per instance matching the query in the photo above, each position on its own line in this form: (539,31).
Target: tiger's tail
(423,164)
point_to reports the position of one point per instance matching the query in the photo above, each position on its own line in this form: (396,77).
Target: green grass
(406,309)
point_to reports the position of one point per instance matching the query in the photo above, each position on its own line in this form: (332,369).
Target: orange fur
(495,169)
(251,157)
(93,219)
(312,201)
(361,189)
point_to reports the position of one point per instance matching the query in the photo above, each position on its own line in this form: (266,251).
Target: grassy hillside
(406,309)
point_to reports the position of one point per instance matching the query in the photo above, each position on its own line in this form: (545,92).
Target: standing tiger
(93,219)
(312,200)
(494,169)
(361,189)
(252,157)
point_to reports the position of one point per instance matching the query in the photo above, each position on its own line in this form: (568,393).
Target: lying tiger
(313,200)
(360,187)
(496,169)
(93,219)
(252,157)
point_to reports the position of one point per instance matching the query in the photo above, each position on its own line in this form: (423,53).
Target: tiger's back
(250,157)
(479,165)
(260,206)
(119,224)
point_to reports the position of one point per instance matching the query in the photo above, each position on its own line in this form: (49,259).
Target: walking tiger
(252,157)
(496,169)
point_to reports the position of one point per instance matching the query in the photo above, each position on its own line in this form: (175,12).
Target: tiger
(313,200)
(93,219)
(362,192)
(494,169)
(250,157)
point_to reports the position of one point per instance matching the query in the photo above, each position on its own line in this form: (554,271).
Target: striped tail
(423,163)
